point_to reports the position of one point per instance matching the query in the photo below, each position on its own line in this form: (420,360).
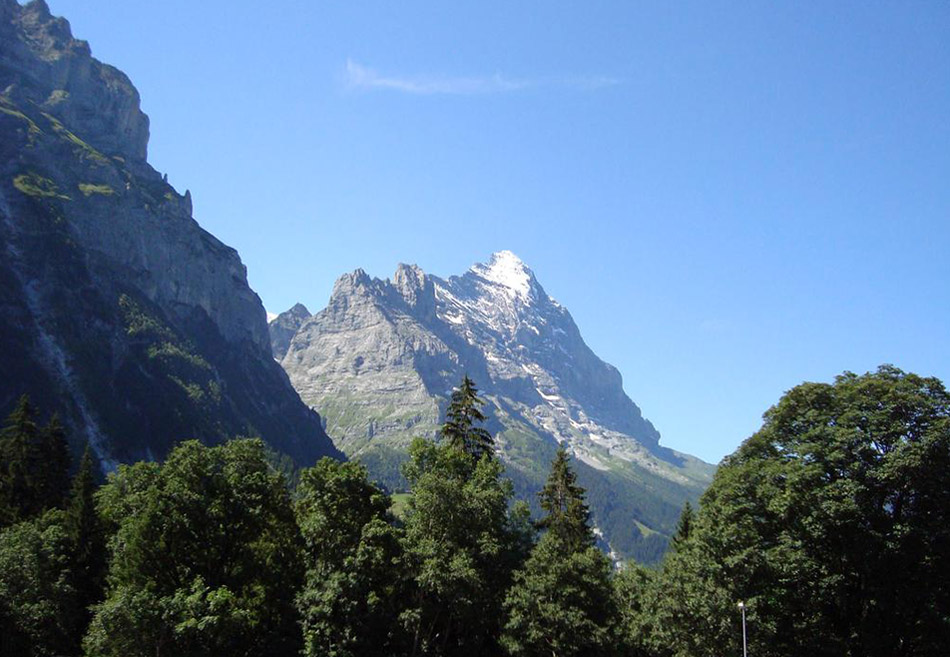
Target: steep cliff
(116,307)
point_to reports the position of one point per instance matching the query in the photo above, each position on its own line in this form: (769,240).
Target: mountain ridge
(380,361)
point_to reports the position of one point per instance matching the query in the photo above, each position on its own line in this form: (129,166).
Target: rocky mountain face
(283,328)
(116,308)
(380,361)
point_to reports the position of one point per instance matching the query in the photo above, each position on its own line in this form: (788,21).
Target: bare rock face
(283,327)
(380,361)
(116,307)
(43,64)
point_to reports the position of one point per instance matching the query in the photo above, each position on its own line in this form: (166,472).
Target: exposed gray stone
(380,361)
(283,327)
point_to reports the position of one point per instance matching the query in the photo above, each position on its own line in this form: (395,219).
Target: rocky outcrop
(42,64)
(380,361)
(117,308)
(283,327)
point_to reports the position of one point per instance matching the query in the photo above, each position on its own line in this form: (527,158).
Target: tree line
(830,524)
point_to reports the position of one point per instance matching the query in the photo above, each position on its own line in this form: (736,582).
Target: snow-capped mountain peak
(380,362)
(508,271)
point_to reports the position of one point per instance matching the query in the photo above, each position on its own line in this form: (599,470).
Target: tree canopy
(204,557)
(354,586)
(832,522)
(463,540)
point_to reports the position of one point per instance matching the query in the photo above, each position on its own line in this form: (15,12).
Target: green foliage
(178,373)
(34,462)
(634,587)
(461,419)
(83,150)
(33,184)
(351,599)
(10,111)
(88,538)
(38,603)
(462,541)
(88,189)
(563,501)
(683,529)
(385,464)
(205,557)
(832,523)
(400,505)
(562,602)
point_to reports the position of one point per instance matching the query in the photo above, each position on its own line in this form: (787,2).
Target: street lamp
(742,609)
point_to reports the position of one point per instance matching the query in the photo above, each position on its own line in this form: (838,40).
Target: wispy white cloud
(359,77)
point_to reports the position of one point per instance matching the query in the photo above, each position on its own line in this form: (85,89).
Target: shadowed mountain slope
(116,308)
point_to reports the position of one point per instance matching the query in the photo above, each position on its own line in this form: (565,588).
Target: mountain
(283,328)
(116,308)
(380,361)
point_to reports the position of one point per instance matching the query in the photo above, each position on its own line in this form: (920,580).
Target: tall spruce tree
(18,439)
(462,419)
(683,528)
(562,601)
(51,465)
(34,465)
(563,501)
(88,537)
(463,539)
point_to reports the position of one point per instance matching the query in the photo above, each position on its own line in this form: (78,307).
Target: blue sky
(730,198)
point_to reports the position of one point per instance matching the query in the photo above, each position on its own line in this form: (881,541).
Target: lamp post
(742,609)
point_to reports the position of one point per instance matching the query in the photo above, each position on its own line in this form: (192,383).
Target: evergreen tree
(34,465)
(51,465)
(18,440)
(463,540)
(350,602)
(562,602)
(563,500)
(88,537)
(461,428)
(683,528)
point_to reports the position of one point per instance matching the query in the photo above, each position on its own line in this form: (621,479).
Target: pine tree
(463,539)
(17,442)
(34,465)
(51,465)
(563,500)
(88,537)
(683,528)
(461,417)
(562,601)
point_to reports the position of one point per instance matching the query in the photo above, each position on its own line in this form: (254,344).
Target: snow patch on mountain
(507,270)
